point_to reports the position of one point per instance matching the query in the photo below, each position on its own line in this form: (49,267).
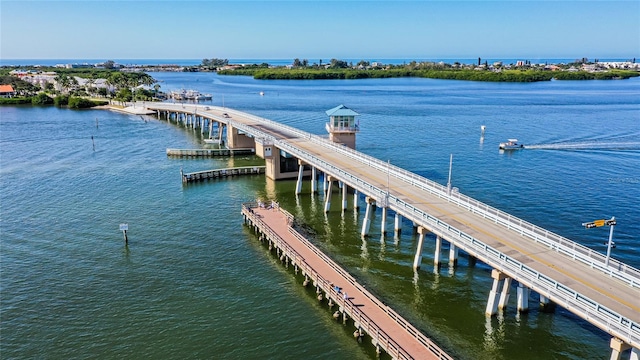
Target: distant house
(6,91)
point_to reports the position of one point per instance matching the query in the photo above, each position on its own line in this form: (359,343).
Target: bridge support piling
(299,182)
(383,224)
(327,199)
(492,303)
(436,256)
(523,298)
(366,223)
(324,183)
(617,348)
(453,254)
(314,180)
(355,199)
(417,259)
(504,295)
(344,197)
(545,304)
(397,227)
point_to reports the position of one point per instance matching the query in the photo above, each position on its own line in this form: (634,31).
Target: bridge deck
(583,279)
(358,298)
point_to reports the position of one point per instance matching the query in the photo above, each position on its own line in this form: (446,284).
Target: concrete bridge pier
(324,183)
(545,304)
(300,172)
(383,224)
(397,228)
(495,296)
(327,198)
(453,254)
(417,259)
(523,298)
(618,347)
(314,180)
(436,256)
(366,223)
(344,196)
(504,295)
(356,206)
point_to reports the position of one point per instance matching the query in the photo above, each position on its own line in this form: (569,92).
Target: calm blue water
(194,283)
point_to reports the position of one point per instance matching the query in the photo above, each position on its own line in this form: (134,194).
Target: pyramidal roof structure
(341,110)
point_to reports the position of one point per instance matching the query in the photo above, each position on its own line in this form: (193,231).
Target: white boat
(511,144)
(212,141)
(194,95)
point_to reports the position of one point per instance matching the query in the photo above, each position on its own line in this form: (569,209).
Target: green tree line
(433,73)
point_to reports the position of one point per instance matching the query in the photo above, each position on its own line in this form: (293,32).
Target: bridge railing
(600,315)
(594,259)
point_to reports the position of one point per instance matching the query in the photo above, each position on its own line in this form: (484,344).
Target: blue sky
(318,29)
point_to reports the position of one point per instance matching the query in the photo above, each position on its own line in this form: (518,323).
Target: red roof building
(6,91)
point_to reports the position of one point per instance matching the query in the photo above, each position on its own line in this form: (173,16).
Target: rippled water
(194,283)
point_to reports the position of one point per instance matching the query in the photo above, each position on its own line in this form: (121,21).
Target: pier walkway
(571,275)
(388,330)
(208,152)
(221,173)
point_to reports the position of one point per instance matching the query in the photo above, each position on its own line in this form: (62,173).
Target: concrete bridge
(604,293)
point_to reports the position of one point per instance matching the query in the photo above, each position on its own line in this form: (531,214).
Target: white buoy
(482,128)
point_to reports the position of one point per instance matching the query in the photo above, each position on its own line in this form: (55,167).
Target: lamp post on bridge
(449,180)
(602,222)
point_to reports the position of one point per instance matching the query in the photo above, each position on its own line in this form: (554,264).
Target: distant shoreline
(284,62)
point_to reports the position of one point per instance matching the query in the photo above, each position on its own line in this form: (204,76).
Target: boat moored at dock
(193,95)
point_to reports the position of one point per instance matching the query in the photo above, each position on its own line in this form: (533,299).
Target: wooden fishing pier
(209,152)
(386,328)
(220,173)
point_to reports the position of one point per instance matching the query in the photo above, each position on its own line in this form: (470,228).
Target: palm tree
(88,86)
(64,82)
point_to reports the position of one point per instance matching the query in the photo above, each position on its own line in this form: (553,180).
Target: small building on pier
(342,125)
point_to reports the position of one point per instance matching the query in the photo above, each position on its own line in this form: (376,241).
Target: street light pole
(612,223)
(449,181)
(610,244)
(388,175)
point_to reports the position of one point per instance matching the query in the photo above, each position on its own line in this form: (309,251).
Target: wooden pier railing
(220,173)
(209,152)
(360,318)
